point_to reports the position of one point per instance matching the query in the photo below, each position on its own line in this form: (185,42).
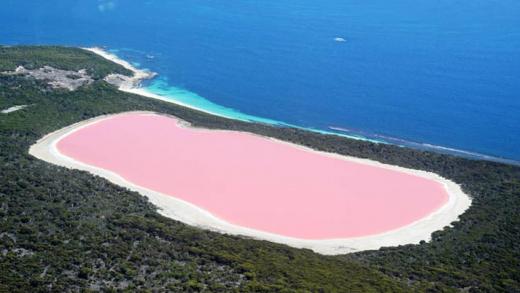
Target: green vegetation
(58,57)
(64,229)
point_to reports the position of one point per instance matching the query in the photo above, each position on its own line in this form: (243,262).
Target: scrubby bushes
(66,230)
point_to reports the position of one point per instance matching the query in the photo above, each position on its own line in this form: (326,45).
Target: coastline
(177,209)
(133,86)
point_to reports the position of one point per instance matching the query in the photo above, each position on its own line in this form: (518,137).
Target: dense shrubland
(66,230)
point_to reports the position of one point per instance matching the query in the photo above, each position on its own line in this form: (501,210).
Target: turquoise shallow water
(161,87)
(431,74)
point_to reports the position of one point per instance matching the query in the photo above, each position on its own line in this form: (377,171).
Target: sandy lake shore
(46,149)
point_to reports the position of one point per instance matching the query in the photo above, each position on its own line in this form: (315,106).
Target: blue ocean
(439,74)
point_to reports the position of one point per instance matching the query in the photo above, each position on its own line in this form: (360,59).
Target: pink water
(255,182)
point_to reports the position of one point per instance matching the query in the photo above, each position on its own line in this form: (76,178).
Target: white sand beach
(132,85)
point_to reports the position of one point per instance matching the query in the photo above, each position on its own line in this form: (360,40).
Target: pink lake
(255,182)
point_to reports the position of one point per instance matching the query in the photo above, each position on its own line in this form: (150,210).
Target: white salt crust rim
(177,209)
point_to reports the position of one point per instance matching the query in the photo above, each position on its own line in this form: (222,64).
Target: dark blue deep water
(438,72)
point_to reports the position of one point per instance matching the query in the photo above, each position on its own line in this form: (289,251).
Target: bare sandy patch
(13,109)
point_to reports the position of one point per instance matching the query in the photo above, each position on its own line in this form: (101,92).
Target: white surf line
(13,109)
(177,209)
